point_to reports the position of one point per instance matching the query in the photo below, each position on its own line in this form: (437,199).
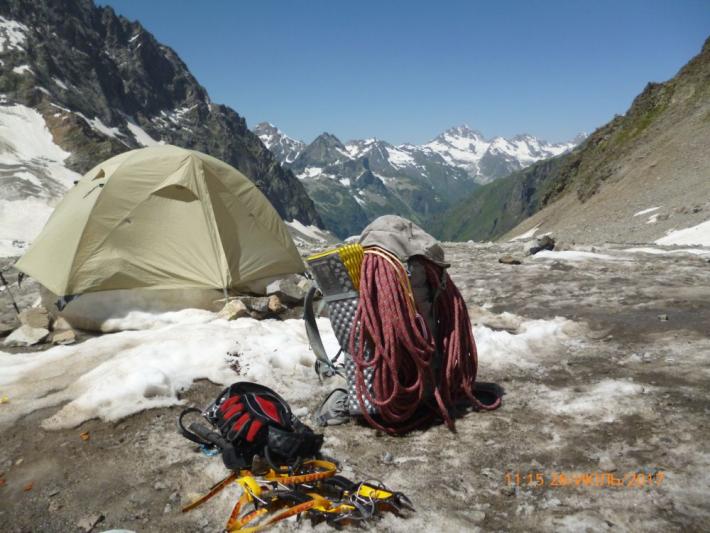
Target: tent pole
(12,298)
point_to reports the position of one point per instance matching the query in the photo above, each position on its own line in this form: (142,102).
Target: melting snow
(699,234)
(116,375)
(119,374)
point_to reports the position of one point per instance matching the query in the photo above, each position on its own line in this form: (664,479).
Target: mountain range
(636,178)
(354,182)
(80,84)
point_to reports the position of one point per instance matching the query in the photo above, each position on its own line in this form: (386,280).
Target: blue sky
(404,71)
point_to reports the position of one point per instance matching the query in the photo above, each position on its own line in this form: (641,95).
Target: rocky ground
(604,361)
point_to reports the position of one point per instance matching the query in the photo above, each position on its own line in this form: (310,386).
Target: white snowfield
(698,235)
(29,155)
(118,374)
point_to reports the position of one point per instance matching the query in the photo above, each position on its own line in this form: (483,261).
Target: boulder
(509,260)
(26,336)
(289,290)
(233,309)
(36,317)
(545,242)
(65,336)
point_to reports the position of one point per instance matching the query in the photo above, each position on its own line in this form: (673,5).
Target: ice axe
(12,298)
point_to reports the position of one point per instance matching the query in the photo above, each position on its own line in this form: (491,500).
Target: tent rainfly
(161,217)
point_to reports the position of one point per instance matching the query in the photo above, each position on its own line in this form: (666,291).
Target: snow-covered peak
(285,148)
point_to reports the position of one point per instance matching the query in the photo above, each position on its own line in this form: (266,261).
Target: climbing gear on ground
(252,420)
(275,459)
(403,326)
(312,490)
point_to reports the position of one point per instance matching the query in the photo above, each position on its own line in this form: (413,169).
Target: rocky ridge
(100,84)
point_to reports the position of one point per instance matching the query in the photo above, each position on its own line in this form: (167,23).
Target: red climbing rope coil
(403,350)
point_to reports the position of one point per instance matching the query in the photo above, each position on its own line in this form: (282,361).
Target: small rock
(606,464)
(541,243)
(509,260)
(167,508)
(175,497)
(476,516)
(275,305)
(233,309)
(257,304)
(663,318)
(388,458)
(26,336)
(52,492)
(36,317)
(61,324)
(66,336)
(159,485)
(89,522)
(54,506)
(289,290)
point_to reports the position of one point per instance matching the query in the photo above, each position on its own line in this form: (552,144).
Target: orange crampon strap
(312,489)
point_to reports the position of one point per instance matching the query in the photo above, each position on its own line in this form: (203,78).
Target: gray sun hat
(403,238)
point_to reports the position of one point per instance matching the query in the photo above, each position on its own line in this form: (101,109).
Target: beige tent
(161,218)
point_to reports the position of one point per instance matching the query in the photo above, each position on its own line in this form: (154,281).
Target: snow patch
(311,232)
(22,69)
(604,401)
(526,345)
(527,235)
(573,255)
(649,210)
(140,135)
(97,124)
(699,235)
(13,35)
(36,165)
(60,84)
(661,251)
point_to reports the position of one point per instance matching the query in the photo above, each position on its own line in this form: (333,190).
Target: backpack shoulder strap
(324,366)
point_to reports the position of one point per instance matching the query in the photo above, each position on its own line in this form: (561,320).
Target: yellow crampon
(313,489)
